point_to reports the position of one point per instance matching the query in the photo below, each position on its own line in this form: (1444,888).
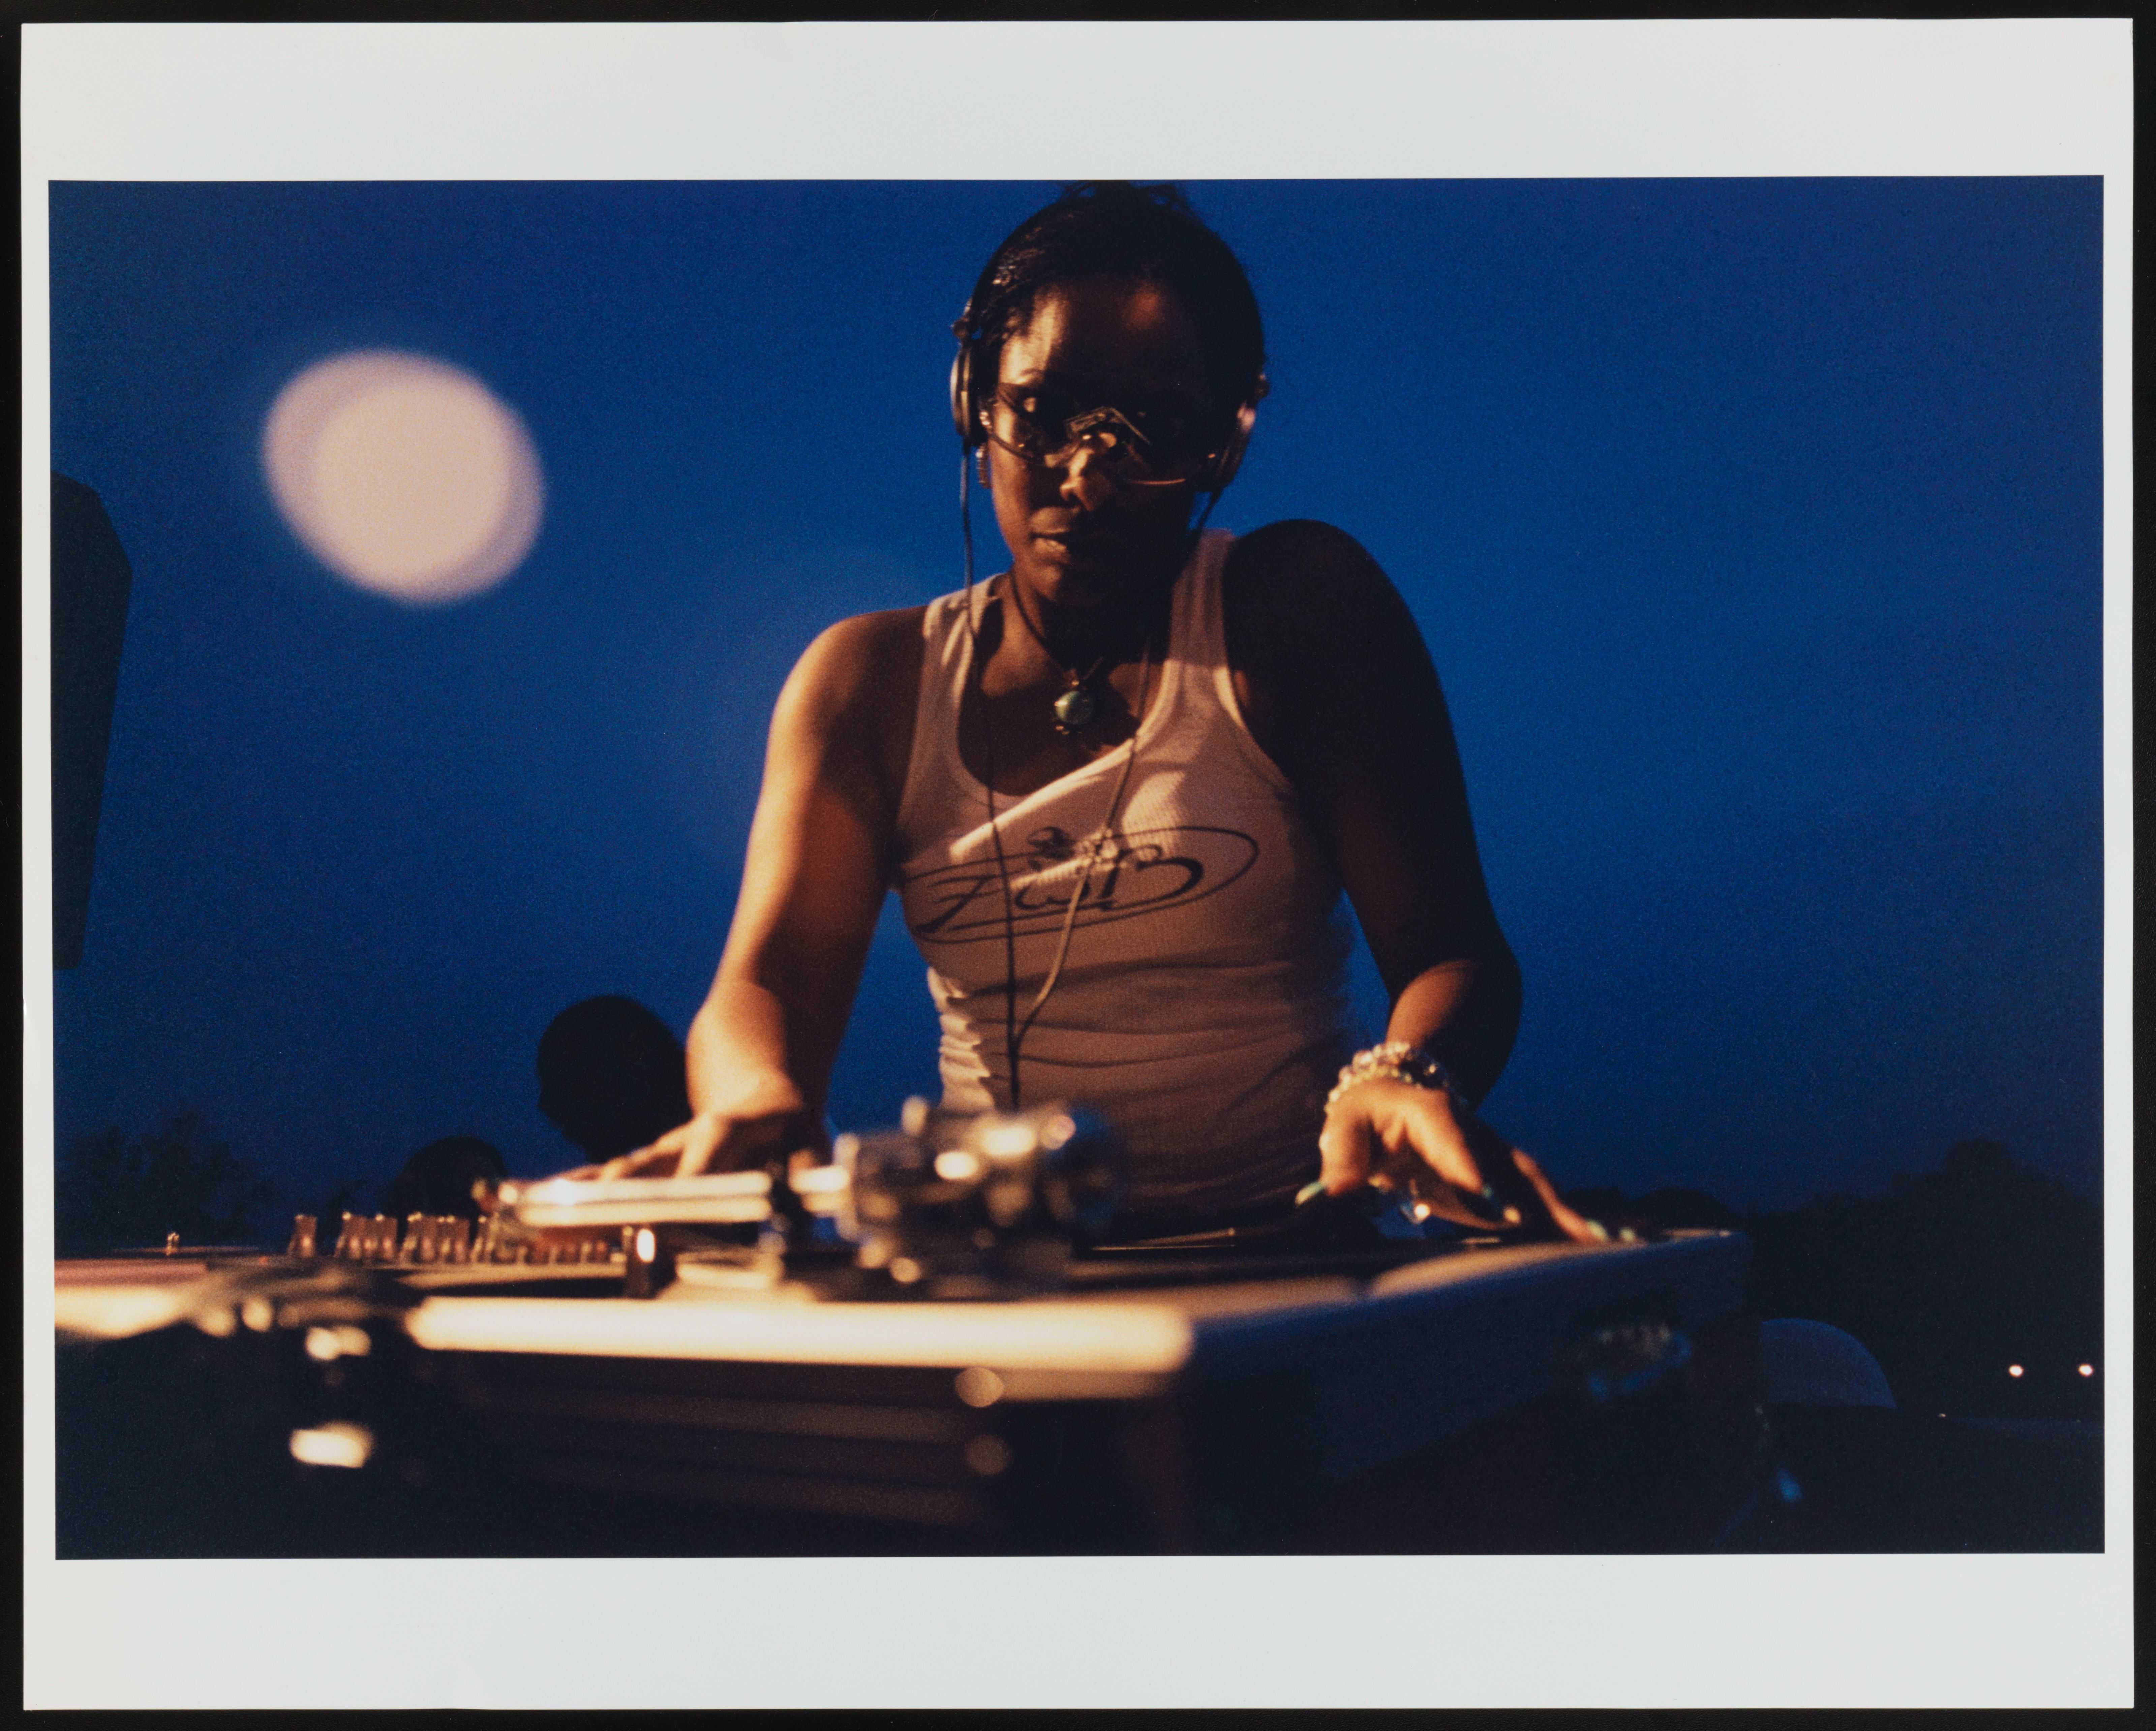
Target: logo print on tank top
(1149,871)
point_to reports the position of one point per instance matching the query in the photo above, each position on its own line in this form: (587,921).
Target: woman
(1121,786)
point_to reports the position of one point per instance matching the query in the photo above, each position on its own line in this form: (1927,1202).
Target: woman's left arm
(1340,691)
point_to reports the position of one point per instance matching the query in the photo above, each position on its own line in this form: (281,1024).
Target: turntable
(936,1343)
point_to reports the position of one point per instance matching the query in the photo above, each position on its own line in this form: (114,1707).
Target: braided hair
(1115,229)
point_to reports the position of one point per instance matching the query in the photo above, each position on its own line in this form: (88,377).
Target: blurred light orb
(404,475)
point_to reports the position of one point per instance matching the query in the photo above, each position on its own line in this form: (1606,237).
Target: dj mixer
(937,1344)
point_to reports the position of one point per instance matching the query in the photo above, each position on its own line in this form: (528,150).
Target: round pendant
(1075,708)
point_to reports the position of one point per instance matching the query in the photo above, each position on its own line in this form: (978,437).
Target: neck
(1080,639)
(1079,636)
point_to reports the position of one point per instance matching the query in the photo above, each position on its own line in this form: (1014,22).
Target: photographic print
(1607,665)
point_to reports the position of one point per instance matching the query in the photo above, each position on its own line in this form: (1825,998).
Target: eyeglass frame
(1206,455)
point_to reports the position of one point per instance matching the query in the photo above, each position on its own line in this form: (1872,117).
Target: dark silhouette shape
(439,1179)
(90,581)
(1950,1277)
(1947,1279)
(114,1192)
(1944,1282)
(612,1076)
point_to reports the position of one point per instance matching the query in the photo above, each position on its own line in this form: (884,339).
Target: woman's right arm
(760,1049)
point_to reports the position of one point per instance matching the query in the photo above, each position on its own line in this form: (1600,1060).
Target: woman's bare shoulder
(1299,560)
(851,696)
(1299,592)
(857,661)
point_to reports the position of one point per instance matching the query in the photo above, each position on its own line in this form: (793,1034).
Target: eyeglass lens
(1048,433)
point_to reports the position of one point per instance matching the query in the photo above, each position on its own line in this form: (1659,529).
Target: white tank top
(1202,1005)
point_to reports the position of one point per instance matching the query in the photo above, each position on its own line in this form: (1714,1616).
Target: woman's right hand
(762,1121)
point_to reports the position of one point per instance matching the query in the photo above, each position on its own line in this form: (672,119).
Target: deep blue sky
(1753,525)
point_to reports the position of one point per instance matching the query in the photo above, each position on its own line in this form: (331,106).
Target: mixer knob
(647,1262)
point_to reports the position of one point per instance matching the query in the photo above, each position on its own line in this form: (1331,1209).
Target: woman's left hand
(1397,1136)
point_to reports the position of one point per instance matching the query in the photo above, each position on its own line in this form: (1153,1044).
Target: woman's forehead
(1110,329)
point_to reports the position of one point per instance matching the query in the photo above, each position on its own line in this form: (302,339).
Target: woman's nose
(1086,482)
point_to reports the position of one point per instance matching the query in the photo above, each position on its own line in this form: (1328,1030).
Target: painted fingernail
(1310,1191)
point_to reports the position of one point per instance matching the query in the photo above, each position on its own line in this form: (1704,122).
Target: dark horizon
(1754,527)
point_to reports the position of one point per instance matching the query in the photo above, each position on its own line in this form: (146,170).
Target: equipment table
(1403,1397)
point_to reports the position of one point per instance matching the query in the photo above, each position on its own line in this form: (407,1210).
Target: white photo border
(529,101)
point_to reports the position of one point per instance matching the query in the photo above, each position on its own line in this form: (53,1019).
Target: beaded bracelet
(1395,1061)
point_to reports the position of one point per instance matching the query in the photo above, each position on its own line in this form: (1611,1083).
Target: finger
(1433,1198)
(656,1158)
(1438,1134)
(655,1161)
(1575,1225)
(1347,1146)
(1502,1183)
(700,1141)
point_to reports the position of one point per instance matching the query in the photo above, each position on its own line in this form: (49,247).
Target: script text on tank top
(1147,872)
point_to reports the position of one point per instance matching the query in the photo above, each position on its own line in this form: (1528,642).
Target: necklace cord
(1071,674)
(1015,1032)
(1101,839)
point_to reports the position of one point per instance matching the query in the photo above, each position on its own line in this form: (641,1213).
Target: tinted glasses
(1146,446)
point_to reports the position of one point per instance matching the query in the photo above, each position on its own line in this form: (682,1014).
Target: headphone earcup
(962,394)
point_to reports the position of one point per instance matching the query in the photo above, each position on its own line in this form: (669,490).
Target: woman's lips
(1088,542)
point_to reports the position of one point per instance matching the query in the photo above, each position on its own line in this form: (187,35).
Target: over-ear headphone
(966,403)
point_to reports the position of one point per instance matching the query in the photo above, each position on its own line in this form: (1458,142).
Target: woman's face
(1081,537)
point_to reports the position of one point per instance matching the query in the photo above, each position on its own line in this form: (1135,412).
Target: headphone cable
(989,779)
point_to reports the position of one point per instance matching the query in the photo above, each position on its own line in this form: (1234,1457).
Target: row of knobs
(434,1238)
